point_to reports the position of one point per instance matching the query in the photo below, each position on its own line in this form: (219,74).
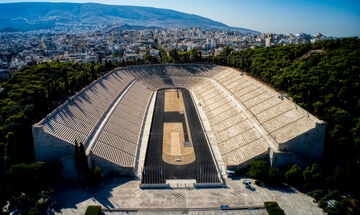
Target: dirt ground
(174,150)
(174,101)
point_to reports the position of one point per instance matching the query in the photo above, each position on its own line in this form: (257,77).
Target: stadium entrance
(177,146)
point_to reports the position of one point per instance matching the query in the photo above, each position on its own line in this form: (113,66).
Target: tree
(149,59)
(344,207)
(184,57)
(66,81)
(77,150)
(77,156)
(225,52)
(163,56)
(294,175)
(83,163)
(94,177)
(27,97)
(195,55)
(26,177)
(258,169)
(275,176)
(313,177)
(316,194)
(97,175)
(92,71)
(174,56)
(356,132)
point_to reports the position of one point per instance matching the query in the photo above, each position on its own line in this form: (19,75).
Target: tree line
(27,97)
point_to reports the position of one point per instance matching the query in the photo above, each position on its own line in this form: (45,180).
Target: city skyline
(333,18)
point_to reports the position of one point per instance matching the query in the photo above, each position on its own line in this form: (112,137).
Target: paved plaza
(123,196)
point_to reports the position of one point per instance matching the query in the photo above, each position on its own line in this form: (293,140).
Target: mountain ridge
(27,16)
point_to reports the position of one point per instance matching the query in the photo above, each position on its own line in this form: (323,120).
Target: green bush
(93,178)
(331,194)
(34,174)
(294,175)
(93,210)
(258,169)
(317,194)
(97,175)
(275,176)
(313,177)
(273,208)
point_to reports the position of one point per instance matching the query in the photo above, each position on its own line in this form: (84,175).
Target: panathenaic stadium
(178,122)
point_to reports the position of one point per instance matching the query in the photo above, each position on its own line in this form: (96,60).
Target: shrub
(34,210)
(331,194)
(97,175)
(275,177)
(294,175)
(24,177)
(273,208)
(94,177)
(323,203)
(258,169)
(343,207)
(93,210)
(313,177)
(317,194)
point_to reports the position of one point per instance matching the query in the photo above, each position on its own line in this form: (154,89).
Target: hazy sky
(330,17)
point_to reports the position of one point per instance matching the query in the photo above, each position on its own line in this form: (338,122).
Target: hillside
(30,16)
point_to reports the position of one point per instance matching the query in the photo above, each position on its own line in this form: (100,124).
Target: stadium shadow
(236,178)
(279,187)
(276,187)
(68,195)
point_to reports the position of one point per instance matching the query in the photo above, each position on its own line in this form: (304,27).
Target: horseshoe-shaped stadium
(178,121)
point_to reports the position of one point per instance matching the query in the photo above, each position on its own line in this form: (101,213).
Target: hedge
(273,208)
(93,210)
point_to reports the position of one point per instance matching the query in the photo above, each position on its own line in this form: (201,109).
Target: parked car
(246,182)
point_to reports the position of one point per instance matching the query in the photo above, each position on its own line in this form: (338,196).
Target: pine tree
(82,158)
(77,155)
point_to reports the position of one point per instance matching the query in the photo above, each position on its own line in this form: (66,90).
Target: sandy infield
(174,150)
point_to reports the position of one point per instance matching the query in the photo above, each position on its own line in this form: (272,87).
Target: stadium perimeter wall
(48,147)
(107,167)
(306,147)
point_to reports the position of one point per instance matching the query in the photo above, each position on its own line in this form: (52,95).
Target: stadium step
(181,183)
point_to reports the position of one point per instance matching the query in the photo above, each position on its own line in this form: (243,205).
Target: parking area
(123,193)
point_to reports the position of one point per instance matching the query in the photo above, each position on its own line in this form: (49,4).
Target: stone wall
(107,167)
(49,147)
(243,165)
(281,158)
(69,170)
(309,145)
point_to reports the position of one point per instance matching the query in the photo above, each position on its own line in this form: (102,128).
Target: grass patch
(273,208)
(93,210)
